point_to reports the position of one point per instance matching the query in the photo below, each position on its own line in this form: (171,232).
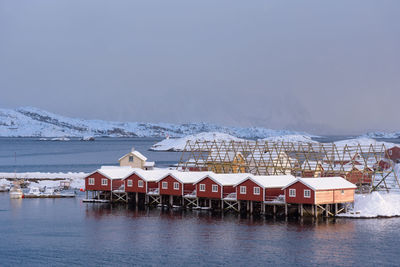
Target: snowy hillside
(178,144)
(33,122)
(382,135)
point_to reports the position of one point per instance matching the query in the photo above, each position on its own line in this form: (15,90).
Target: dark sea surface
(67,232)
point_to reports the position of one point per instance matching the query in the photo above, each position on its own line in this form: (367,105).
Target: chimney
(133,149)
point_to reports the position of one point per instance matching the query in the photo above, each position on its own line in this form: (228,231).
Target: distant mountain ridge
(34,122)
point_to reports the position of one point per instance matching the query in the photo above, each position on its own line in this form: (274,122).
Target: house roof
(151,175)
(325,183)
(270,181)
(115,172)
(134,153)
(227,179)
(149,164)
(187,177)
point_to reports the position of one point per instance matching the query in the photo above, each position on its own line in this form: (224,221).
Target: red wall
(249,191)
(271,193)
(208,193)
(97,183)
(299,199)
(135,188)
(170,190)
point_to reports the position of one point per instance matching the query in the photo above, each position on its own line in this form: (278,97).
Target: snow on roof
(134,153)
(188,177)
(227,179)
(152,175)
(149,164)
(325,183)
(270,181)
(115,172)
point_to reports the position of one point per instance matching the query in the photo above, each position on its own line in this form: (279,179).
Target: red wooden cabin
(107,178)
(313,191)
(143,181)
(218,186)
(262,188)
(179,183)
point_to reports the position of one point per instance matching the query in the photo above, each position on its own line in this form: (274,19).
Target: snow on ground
(363,141)
(46,179)
(290,138)
(179,144)
(382,135)
(376,204)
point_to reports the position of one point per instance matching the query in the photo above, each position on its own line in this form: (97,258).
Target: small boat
(4,188)
(34,192)
(87,138)
(16,192)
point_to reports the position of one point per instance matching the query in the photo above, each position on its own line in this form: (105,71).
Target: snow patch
(376,204)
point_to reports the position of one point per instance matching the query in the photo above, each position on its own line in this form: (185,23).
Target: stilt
(136,198)
(286,210)
(87,194)
(210,203)
(312,210)
(326,210)
(316,211)
(222,205)
(274,210)
(98,195)
(336,209)
(262,207)
(301,210)
(171,200)
(251,207)
(239,205)
(197,202)
(345,207)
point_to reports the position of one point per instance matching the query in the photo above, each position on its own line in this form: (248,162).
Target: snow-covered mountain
(34,122)
(382,135)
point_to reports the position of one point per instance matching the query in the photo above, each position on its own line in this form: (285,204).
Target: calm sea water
(65,232)
(31,154)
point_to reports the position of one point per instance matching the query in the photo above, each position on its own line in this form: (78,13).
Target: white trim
(104,181)
(292,192)
(176,186)
(254,190)
(202,187)
(164,185)
(307,195)
(129,183)
(242,189)
(140,183)
(212,188)
(91,181)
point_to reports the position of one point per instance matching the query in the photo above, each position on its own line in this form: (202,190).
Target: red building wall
(299,199)
(393,154)
(97,183)
(135,188)
(249,191)
(272,193)
(208,192)
(170,191)
(227,189)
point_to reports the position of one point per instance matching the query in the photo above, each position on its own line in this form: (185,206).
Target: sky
(324,67)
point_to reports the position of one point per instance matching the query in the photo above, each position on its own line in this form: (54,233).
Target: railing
(230,196)
(153,191)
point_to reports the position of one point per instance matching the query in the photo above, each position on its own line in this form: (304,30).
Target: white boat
(16,192)
(4,188)
(33,191)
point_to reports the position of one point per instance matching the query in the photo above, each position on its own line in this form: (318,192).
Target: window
(104,181)
(140,183)
(130,158)
(390,152)
(130,183)
(164,185)
(202,187)
(91,181)
(243,190)
(307,193)
(214,188)
(176,186)
(256,190)
(292,192)
(342,192)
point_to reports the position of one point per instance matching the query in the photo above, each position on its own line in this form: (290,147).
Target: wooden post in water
(312,210)
(262,207)
(222,204)
(251,207)
(301,210)
(239,205)
(274,210)
(137,199)
(171,200)
(336,209)
(286,210)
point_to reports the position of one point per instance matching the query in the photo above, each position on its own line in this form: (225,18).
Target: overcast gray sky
(318,66)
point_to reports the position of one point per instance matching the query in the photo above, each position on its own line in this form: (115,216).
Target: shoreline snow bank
(376,204)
